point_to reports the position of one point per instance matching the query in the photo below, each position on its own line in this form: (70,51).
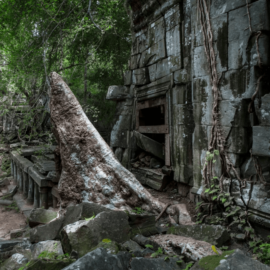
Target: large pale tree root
(90,171)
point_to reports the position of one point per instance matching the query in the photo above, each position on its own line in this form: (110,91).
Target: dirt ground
(10,220)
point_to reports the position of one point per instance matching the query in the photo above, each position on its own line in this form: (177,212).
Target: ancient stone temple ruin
(164,107)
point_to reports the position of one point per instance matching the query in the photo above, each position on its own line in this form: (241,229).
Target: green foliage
(138,210)
(60,36)
(189,265)
(90,218)
(157,253)
(13,206)
(149,246)
(106,240)
(261,250)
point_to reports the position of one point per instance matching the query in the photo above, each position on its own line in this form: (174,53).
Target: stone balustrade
(35,177)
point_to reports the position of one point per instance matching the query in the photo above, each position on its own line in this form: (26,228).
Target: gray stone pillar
(55,201)
(25,184)
(36,195)
(20,178)
(43,197)
(30,198)
(12,168)
(15,173)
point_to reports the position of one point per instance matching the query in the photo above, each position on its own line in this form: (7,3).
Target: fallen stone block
(46,263)
(49,246)
(48,231)
(149,145)
(144,224)
(157,264)
(5,202)
(184,216)
(14,262)
(131,245)
(16,233)
(143,241)
(41,216)
(238,260)
(84,235)
(213,234)
(190,248)
(4,182)
(100,259)
(9,244)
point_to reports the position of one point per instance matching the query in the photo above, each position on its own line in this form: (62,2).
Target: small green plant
(261,250)
(189,265)
(13,206)
(157,253)
(106,240)
(149,246)
(138,210)
(87,219)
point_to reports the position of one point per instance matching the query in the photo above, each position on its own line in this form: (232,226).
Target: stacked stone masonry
(168,61)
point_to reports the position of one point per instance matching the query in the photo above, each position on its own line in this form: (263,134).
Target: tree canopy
(87,42)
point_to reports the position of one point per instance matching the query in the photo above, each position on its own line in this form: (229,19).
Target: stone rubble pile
(90,236)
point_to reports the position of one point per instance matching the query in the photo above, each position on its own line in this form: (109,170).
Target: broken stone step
(5,202)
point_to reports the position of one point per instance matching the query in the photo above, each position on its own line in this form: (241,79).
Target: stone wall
(168,59)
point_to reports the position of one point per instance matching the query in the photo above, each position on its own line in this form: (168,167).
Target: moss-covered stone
(211,262)
(41,264)
(110,246)
(215,235)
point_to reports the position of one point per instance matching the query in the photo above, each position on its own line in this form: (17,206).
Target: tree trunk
(90,171)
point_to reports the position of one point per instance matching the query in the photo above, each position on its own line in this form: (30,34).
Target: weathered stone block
(263,110)
(140,76)
(220,7)
(152,55)
(152,72)
(202,90)
(264,48)
(234,83)
(149,145)
(119,153)
(135,61)
(156,31)
(239,23)
(219,28)
(238,260)
(173,41)
(181,76)
(239,140)
(200,137)
(119,138)
(142,41)
(45,232)
(172,17)
(50,246)
(41,216)
(183,115)
(181,94)
(128,77)
(102,260)
(117,92)
(82,236)
(162,69)
(261,141)
(213,234)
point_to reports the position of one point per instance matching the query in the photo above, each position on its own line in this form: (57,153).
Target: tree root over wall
(90,171)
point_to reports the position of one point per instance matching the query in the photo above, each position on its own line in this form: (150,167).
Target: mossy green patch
(211,262)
